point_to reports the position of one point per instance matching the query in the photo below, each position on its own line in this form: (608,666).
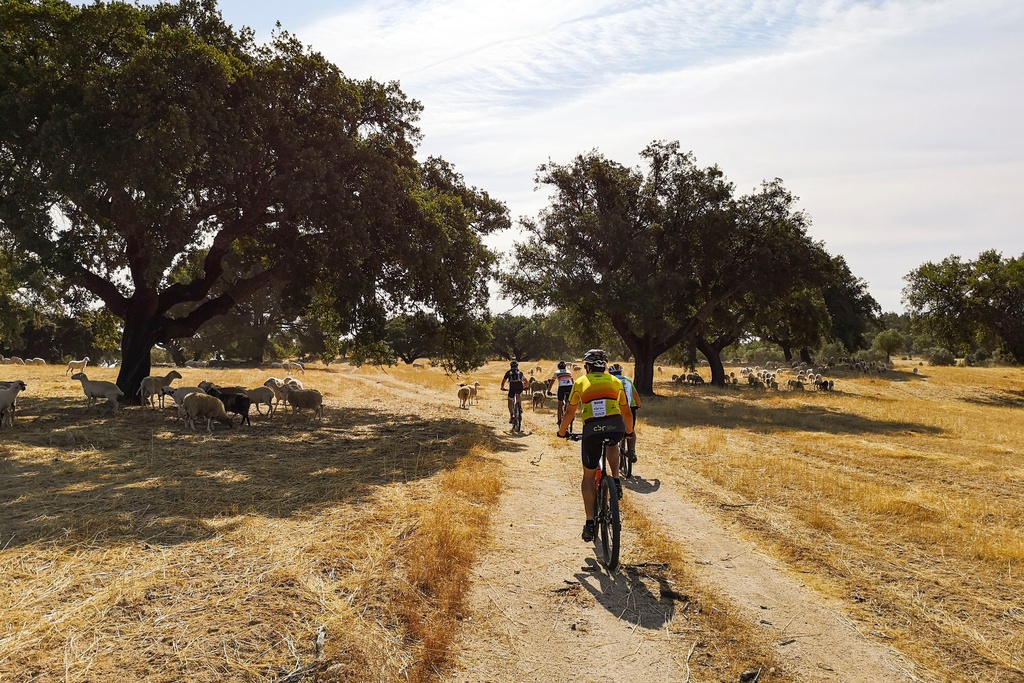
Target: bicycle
(517,414)
(627,449)
(564,405)
(606,508)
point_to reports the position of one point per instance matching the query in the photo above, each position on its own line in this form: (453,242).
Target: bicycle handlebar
(571,437)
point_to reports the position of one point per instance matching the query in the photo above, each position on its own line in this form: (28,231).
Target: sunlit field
(134,549)
(899,493)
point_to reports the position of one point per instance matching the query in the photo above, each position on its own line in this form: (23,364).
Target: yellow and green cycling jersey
(599,395)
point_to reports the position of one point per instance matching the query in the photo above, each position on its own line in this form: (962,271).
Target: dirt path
(543,610)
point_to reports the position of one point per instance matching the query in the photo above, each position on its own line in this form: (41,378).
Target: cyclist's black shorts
(595,432)
(563,393)
(514,389)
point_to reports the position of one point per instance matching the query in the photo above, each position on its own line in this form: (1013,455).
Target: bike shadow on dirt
(640,595)
(638,484)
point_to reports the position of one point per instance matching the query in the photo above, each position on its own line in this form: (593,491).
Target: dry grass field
(133,548)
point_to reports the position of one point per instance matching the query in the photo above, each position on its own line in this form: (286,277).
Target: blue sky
(898,123)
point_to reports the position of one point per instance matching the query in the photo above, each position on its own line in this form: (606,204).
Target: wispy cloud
(896,121)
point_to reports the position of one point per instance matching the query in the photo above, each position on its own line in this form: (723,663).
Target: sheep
(538,399)
(8,401)
(294,365)
(77,366)
(473,392)
(264,395)
(235,399)
(178,394)
(96,390)
(275,385)
(35,361)
(304,398)
(418,365)
(154,385)
(13,360)
(295,384)
(198,405)
(464,394)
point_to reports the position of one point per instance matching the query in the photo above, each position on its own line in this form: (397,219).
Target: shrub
(939,356)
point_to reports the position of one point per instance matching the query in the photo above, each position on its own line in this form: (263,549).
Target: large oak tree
(133,135)
(656,251)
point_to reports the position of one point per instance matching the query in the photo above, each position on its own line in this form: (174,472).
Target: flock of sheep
(206,401)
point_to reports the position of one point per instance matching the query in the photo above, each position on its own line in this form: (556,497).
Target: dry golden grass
(900,494)
(133,549)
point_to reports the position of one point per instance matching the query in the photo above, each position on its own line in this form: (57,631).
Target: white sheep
(96,390)
(264,395)
(275,384)
(303,399)
(294,365)
(36,361)
(13,360)
(197,406)
(295,384)
(8,401)
(178,395)
(464,393)
(77,365)
(473,392)
(154,385)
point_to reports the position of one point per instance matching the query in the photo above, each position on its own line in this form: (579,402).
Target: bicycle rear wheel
(517,425)
(609,523)
(625,462)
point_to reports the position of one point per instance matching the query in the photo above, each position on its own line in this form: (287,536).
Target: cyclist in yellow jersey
(602,402)
(634,404)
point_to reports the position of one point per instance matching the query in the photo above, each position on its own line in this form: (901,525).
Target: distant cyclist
(516,385)
(606,416)
(563,379)
(634,404)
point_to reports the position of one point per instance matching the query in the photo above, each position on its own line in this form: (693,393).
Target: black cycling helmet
(514,364)
(596,358)
(561,365)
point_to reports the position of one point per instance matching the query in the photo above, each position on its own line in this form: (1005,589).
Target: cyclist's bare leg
(612,454)
(589,490)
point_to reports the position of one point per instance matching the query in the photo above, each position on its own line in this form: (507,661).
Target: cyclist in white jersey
(564,380)
(634,404)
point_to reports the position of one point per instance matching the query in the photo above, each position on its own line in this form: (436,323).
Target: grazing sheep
(95,390)
(538,399)
(276,385)
(13,360)
(235,400)
(77,365)
(304,399)
(262,395)
(294,383)
(576,368)
(294,365)
(35,361)
(198,406)
(178,395)
(153,385)
(473,392)
(8,401)
(464,394)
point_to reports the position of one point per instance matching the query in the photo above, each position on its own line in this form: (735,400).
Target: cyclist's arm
(570,413)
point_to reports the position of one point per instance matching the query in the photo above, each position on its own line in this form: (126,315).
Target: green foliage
(936,356)
(961,303)
(152,130)
(889,342)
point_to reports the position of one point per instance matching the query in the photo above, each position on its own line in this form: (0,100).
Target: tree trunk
(136,346)
(643,370)
(714,357)
(787,353)
(805,355)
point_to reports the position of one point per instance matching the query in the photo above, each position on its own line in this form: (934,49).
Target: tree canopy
(655,251)
(135,135)
(957,302)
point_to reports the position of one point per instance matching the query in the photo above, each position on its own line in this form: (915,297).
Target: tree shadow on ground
(72,474)
(639,594)
(1000,399)
(713,411)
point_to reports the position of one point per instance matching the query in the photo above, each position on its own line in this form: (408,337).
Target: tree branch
(116,302)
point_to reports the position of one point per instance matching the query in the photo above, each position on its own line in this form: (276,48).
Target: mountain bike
(517,414)
(606,508)
(627,451)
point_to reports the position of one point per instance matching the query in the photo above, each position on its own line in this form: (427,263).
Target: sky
(898,123)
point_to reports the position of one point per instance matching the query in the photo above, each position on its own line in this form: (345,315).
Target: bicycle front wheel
(609,523)
(625,461)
